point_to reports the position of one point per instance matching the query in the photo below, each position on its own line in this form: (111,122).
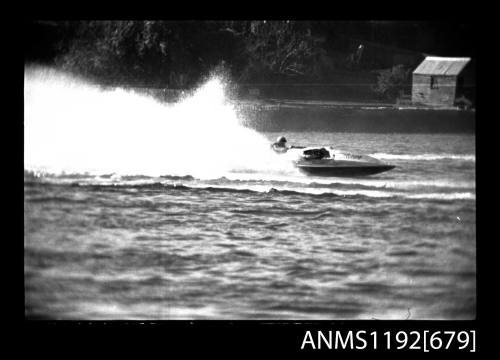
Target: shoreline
(271,103)
(172,96)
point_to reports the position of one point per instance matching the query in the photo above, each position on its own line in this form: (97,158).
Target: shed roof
(434,65)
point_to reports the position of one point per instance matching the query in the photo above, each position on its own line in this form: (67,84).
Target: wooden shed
(436,79)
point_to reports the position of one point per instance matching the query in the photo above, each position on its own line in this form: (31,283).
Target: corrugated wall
(441,94)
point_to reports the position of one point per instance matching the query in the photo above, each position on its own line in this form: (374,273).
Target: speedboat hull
(343,169)
(327,161)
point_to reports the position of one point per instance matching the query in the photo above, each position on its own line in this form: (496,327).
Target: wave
(355,182)
(256,188)
(445,196)
(385,156)
(264,180)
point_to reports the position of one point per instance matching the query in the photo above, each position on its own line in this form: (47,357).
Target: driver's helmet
(281,140)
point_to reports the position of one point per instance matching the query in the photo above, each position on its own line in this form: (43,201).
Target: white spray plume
(72,126)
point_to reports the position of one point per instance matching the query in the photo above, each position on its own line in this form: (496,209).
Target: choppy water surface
(257,242)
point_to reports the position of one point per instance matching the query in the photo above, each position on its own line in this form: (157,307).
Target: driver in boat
(280,144)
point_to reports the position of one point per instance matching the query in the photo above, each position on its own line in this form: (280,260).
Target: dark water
(397,245)
(355,119)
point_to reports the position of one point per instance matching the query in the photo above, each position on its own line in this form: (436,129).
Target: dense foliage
(338,57)
(392,83)
(178,54)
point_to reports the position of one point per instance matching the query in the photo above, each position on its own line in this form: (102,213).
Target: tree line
(180,54)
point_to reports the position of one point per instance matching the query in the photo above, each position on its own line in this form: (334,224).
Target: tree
(156,53)
(392,82)
(280,48)
(180,53)
(117,51)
